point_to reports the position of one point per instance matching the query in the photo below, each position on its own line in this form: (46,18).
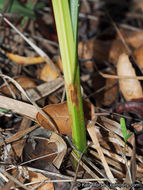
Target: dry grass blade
(117,168)
(131,173)
(19,107)
(96,178)
(92,132)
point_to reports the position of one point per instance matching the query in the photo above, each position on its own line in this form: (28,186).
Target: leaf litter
(36,147)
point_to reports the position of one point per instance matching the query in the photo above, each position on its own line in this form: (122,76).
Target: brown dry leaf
(113,162)
(47,150)
(47,74)
(61,147)
(130,88)
(44,151)
(34,176)
(59,114)
(24,60)
(25,82)
(139,56)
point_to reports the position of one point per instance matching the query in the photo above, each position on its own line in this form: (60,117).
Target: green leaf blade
(123,127)
(128,136)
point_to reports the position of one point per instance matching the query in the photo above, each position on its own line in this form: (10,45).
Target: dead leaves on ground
(25,82)
(45,148)
(59,115)
(113,147)
(53,149)
(24,60)
(130,88)
(34,177)
(47,73)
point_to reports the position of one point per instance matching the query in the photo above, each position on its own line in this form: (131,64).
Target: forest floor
(110,52)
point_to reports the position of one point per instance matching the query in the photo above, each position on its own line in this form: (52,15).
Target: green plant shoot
(66,24)
(126,135)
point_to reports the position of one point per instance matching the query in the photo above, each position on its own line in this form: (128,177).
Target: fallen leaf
(19,107)
(130,88)
(47,148)
(61,148)
(59,115)
(138,127)
(24,60)
(41,149)
(47,74)
(35,176)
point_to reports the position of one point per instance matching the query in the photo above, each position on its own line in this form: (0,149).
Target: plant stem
(68,51)
(74,20)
